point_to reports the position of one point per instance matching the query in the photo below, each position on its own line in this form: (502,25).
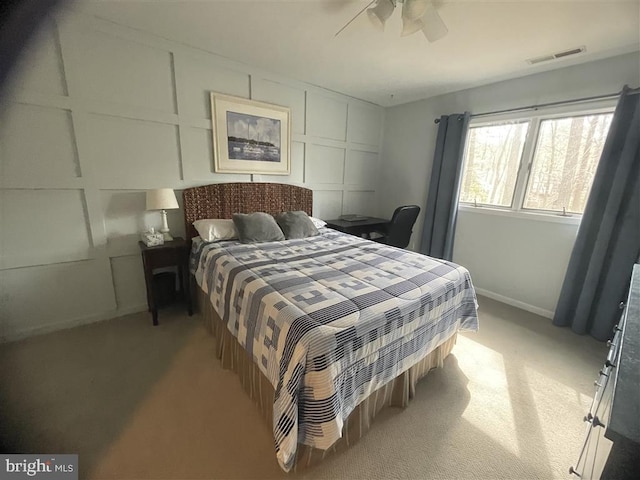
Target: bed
(323,331)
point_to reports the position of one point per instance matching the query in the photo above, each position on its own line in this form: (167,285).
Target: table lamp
(162,199)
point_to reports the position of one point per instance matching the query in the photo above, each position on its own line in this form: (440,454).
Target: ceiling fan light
(380,12)
(433,27)
(410,26)
(414,9)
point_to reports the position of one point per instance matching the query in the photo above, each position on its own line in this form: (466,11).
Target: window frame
(534,117)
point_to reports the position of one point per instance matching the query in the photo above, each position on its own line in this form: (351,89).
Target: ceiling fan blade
(353,19)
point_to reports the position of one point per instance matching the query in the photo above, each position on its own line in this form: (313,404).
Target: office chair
(398,231)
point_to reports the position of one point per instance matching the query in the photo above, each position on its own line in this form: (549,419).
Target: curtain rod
(629,91)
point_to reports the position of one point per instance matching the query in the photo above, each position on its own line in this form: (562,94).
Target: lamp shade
(161,199)
(410,26)
(379,13)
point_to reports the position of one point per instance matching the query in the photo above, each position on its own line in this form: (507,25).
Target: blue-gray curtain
(442,200)
(608,241)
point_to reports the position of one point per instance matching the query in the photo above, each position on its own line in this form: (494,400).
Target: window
(491,164)
(543,163)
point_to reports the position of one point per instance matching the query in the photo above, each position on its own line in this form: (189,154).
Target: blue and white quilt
(330,319)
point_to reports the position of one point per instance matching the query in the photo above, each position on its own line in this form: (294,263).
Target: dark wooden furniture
(360,227)
(172,254)
(611,447)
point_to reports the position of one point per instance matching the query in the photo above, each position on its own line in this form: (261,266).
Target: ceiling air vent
(557,55)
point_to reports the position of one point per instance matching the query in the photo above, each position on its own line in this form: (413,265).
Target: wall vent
(557,55)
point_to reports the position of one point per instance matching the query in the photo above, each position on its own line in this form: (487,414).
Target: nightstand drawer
(164,257)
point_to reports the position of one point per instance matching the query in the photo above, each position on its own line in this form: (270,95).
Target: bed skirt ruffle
(396,393)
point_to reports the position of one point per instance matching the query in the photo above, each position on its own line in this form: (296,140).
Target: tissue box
(152,239)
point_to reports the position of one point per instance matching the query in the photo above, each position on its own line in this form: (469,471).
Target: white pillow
(214,230)
(317,222)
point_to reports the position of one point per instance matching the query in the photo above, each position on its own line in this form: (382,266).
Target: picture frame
(250,137)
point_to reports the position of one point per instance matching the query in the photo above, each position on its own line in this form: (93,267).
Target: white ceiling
(487,41)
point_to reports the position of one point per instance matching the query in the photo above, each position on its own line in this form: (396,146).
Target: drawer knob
(609,364)
(573,472)
(609,343)
(588,417)
(596,422)
(596,384)
(621,306)
(603,373)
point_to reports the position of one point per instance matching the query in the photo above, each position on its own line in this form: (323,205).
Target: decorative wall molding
(139,118)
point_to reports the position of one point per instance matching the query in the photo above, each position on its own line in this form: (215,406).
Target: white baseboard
(515,303)
(63,325)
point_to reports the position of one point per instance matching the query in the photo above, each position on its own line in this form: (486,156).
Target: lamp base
(165,227)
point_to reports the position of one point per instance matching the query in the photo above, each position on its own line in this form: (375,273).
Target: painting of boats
(253,138)
(250,136)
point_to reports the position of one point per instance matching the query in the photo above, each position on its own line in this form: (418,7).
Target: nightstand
(172,254)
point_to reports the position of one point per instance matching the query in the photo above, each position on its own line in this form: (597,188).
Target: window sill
(523,215)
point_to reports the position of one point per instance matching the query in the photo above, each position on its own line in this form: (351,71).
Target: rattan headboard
(222,200)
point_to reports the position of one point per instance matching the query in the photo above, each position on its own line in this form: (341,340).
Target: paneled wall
(100,113)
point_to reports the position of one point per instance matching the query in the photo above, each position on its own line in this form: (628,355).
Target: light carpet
(142,402)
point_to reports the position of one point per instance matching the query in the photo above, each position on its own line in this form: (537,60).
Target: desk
(360,227)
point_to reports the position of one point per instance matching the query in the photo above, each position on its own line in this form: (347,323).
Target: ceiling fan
(416,15)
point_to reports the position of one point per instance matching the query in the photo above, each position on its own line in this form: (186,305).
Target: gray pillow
(296,225)
(257,227)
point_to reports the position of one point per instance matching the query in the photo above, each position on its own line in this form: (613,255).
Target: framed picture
(250,136)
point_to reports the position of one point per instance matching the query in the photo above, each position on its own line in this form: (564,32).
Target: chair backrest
(400,227)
